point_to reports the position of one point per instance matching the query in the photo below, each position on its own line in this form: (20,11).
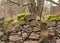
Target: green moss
(21,16)
(58,19)
(14,23)
(7,32)
(7,21)
(52,18)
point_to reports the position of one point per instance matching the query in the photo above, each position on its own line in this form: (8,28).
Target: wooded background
(45,7)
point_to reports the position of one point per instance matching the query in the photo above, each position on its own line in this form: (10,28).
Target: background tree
(59,5)
(35,6)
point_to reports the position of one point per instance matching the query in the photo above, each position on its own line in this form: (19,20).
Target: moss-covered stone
(7,32)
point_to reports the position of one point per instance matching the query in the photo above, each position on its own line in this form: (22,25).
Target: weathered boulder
(4,38)
(35,29)
(49,28)
(30,17)
(34,23)
(34,36)
(58,26)
(27,29)
(14,38)
(25,35)
(18,28)
(50,24)
(22,23)
(19,33)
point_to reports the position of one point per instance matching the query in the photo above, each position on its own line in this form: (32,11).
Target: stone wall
(31,32)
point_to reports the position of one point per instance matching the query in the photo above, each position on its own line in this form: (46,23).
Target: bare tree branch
(53,2)
(24,4)
(47,0)
(14,2)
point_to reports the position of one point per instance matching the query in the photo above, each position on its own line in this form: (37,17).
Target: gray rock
(34,23)
(29,29)
(1,33)
(38,32)
(1,29)
(13,33)
(58,30)
(4,38)
(21,41)
(14,38)
(35,29)
(22,23)
(34,36)
(18,28)
(51,28)
(58,27)
(51,32)
(50,24)
(58,22)
(41,39)
(46,40)
(30,17)
(31,42)
(19,33)
(26,26)
(56,38)
(24,35)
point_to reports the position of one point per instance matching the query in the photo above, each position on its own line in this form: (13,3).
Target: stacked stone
(25,32)
(54,26)
(51,26)
(1,23)
(1,30)
(30,32)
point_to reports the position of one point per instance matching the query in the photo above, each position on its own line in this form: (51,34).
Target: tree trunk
(31,7)
(40,4)
(39,9)
(59,5)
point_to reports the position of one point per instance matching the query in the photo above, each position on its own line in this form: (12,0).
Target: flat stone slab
(35,29)
(31,42)
(34,36)
(14,38)
(51,24)
(58,41)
